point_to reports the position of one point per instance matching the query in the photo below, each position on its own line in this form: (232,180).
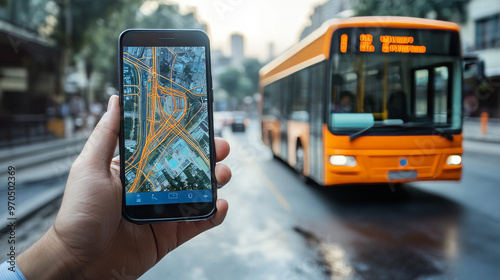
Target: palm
(90,239)
(101,235)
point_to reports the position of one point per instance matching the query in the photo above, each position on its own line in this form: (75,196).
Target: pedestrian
(77,111)
(95,112)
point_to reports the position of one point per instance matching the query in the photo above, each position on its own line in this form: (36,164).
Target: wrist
(48,258)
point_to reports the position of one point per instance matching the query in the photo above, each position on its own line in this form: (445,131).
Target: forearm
(48,258)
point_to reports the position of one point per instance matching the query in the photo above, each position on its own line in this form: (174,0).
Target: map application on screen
(166,125)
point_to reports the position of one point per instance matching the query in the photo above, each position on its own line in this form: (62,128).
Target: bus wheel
(299,160)
(299,165)
(270,141)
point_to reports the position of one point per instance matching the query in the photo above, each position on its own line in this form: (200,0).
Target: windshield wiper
(448,136)
(443,134)
(360,133)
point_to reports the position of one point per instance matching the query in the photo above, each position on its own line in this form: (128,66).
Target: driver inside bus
(346,103)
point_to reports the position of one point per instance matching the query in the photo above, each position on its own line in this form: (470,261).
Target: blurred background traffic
(58,67)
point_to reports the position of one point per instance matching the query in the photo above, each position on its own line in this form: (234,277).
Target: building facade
(481,37)
(28,79)
(237,49)
(481,33)
(328,10)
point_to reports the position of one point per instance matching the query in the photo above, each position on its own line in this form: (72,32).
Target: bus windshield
(395,78)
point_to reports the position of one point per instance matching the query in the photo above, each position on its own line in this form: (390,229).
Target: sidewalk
(42,161)
(41,170)
(472,130)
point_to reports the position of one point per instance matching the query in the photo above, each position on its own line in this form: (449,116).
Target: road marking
(270,185)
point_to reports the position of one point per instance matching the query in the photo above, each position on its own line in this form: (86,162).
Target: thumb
(100,148)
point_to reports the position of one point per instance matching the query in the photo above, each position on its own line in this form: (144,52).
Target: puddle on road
(417,239)
(372,261)
(330,258)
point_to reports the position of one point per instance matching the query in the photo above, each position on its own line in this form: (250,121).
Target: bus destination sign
(389,44)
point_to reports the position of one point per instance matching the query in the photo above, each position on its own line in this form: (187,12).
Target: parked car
(239,121)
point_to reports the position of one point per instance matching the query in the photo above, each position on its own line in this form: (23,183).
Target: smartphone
(167,153)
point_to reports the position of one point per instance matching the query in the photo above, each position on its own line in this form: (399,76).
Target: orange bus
(368,100)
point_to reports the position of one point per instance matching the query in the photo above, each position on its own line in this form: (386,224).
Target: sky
(259,21)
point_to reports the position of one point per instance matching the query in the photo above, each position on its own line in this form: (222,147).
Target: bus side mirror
(477,66)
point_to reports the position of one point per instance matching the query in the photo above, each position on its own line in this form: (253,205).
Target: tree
(449,10)
(241,82)
(101,38)
(229,81)
(251,68)
(75,18)
(60,21)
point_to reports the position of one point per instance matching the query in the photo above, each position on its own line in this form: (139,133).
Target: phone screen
(166,125)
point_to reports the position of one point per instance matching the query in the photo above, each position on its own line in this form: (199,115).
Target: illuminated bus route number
(366,43)
(343,43)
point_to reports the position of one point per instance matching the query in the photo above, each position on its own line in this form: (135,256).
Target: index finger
(221,149)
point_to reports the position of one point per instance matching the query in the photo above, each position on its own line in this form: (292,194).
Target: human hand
(90,239)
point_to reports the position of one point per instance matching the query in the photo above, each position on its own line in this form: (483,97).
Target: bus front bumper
(392,166)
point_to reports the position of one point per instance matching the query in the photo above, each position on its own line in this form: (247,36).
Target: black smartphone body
(167,153)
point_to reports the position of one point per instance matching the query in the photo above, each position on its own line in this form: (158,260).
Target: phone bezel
(153,213)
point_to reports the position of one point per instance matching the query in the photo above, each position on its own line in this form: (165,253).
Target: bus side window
(301,96)
(266,104)
(276,109)
(441,94)
(271,101)
(421,90)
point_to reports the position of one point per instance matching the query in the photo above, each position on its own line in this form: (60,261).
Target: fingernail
(110,102)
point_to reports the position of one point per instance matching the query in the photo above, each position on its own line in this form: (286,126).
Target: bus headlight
(454,160)
(338,160)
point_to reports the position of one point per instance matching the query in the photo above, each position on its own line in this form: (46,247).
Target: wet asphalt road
(281,228)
